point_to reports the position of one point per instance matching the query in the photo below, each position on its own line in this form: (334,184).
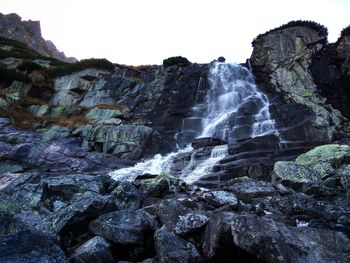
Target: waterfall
(233,109)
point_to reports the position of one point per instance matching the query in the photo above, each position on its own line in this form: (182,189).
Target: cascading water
(233,109)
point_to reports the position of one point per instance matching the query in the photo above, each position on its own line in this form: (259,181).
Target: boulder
(162,185)
(126,196)
(171,248)
(220,198)
(124,227)
(190,223)
(273,241)
(247,189)
(75,217)
(30,246)
(95,250)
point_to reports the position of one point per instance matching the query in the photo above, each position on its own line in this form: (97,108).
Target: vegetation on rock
(7,76)
(67,68)
(176,61)
(321,30)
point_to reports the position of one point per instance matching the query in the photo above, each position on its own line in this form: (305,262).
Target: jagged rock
(95,250)
(68,89)
(38,110)
(281,59)
(247,189)
(126,141)
(297,173)
(29,246)
(126,196)
(29,32)
(82,208)
(190,223)
(273,241)
(171,248)
(334,154)
(124,227)
(220,198)
(161,185)
(65,186)
(330,70)
(97,115)
(55,132)
(315,166)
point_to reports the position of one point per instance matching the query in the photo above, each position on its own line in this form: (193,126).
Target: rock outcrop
(281,61)
(29,32)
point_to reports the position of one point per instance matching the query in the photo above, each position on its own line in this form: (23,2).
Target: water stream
(233,109)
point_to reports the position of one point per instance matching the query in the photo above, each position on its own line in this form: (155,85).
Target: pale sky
(137,32)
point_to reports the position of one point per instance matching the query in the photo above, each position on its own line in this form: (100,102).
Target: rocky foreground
(65,127)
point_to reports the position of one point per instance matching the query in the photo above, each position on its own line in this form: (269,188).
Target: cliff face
(330,69)
(281,61)
(29,32)
(64,127)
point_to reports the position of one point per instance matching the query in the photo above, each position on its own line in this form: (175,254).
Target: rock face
(29,32)
(331,72)
(281,62)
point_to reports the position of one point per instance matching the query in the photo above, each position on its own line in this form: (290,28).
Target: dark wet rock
(162,185)
(171,248)
(29,246)
(65,186)
(273,241)
(247,189)
(82,209)
(330,70)
(169,210)
(125,227)
(216,239)
(220,198)
(95,250)
(126,196)
(190,223)
(295,173)
(207,142)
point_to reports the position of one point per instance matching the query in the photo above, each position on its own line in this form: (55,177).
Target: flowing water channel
(233,109)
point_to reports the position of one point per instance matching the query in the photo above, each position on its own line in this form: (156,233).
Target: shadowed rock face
(29,32)
(331,72)
(281,61)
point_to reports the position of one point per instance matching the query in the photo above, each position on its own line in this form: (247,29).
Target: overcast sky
(139,32)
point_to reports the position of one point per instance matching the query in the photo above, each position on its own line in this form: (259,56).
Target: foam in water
(232,98)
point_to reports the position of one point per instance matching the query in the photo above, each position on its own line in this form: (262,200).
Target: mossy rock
(335,154)
(296,173)
(161,185)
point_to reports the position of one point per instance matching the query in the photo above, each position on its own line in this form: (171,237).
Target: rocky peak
(29,32)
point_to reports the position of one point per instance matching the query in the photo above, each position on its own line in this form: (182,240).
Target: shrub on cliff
(67,68)
(176,61)
(7,76)
(321,30)
(345,31)
(30,66)
(18,50)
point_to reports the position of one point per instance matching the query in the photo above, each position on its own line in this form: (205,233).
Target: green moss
(66,68)
(10,207)
(30,66)
(321,30)
(176,61)
(332,153)
(7,76)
